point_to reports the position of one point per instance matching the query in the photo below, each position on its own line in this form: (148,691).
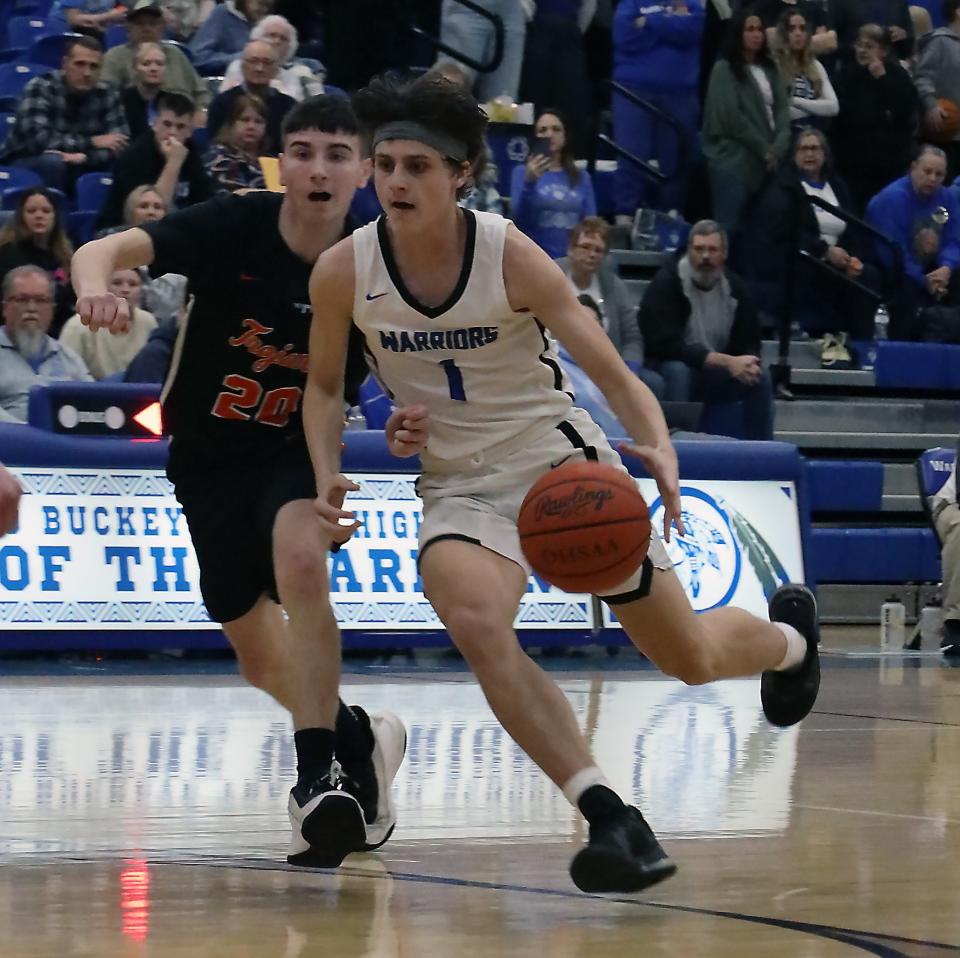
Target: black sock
(354,734)
(599,803)
(314,753)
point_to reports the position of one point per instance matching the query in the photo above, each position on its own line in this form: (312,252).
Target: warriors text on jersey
(485,372)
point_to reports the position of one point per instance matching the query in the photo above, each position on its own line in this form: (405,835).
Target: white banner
(110,550)
(742,541)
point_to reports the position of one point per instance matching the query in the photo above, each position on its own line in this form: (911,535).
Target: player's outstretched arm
(10,493)
(331,296)
(90,271)
(535,282)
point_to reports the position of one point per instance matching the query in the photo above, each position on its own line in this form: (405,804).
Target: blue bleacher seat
(200,138)
(6,124)
(10,196)
(92,190)
(15,76)
(374,404)
(8,104)
(22,31)
(13,178)
(182,47)
(115,36)
(12,54)
(81,226)
(933,469)
(49,50)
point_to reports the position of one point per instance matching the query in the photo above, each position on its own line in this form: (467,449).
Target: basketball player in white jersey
(10,493)
(454,306)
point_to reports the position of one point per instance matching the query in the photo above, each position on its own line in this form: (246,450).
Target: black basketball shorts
(230,512)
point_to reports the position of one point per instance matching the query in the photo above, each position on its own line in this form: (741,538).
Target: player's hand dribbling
(329,507)
(10,493)
(661,463)
(104,311)
(407,431)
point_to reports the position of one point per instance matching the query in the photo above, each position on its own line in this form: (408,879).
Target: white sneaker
(389,747)
(327,824)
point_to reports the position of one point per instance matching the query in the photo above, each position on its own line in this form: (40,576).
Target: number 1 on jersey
(454,380)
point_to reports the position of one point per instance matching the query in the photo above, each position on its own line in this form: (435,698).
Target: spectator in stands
(296,78)
(811,94)
(893,16)
(787,221)
(28,356)
(145,24)
(163,157)
(555,65)
(702,333)
(472,34)
(746,124)
(152,363)
(162,295)
(937,77)
(259,67)
(140,100)
(184,17)
(922,217)
(68,122)
(549,195)
(34,236)
(656,54)
(233,160)
(823,40)
(91,17)
(946,518)
(109,356)
(873,135)
(226,32)
(590,276)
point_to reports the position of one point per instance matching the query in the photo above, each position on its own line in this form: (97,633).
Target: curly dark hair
(432,101)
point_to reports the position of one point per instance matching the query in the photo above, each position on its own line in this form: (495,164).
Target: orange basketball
(584,527)
(950,125)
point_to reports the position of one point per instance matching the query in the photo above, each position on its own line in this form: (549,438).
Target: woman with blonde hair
(812,98)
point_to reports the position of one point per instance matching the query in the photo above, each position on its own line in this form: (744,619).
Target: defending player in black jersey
(239,462)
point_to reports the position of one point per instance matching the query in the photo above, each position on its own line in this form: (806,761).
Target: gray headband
(411,130)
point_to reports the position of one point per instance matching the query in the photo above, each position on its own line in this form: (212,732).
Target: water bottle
(881,332)
(355,418)
(893,625)
(931,624)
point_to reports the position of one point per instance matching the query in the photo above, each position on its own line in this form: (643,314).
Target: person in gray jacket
(591,277)
(937,77)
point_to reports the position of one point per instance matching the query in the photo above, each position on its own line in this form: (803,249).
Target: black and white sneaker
(327,824)
(787,697)
(389,747)
(950,643)
(622,855)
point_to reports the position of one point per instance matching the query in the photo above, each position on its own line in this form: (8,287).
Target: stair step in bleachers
(860,603)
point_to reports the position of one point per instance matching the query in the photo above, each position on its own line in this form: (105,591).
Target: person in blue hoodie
(656,51)
(922,217)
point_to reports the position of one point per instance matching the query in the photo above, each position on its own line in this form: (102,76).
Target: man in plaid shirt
(67,122)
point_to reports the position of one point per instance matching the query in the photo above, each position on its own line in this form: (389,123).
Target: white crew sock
(584,779)
(796,647)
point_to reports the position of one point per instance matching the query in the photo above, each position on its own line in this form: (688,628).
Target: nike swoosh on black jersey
(378,295)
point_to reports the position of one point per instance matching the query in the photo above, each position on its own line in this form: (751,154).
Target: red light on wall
(151,418)
(135,899)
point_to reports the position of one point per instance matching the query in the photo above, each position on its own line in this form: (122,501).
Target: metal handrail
(498,40)
(655,173)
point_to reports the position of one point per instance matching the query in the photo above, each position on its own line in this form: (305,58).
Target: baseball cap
(144,6)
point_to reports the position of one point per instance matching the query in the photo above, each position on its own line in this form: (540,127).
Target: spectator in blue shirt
(549,195)
(225,33)
(28,356)
(88,16)
(922,217)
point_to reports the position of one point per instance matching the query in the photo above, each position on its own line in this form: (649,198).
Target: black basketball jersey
(235,387)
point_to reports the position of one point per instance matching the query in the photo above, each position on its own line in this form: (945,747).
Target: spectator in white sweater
(105,354)
(812,98)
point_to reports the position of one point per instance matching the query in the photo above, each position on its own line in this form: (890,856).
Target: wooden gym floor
(144,815)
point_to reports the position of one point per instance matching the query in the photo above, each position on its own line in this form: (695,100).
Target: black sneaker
(787,697)
(623,855)
(950,643)
(327,824)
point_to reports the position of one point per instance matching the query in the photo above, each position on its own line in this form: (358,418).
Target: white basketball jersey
(485,372)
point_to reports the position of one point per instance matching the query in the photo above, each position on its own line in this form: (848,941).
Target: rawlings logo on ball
(575,504)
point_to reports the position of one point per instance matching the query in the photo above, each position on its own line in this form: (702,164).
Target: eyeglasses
(22,300)
(259,61)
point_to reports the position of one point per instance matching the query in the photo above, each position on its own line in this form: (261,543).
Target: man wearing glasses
(28,356)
